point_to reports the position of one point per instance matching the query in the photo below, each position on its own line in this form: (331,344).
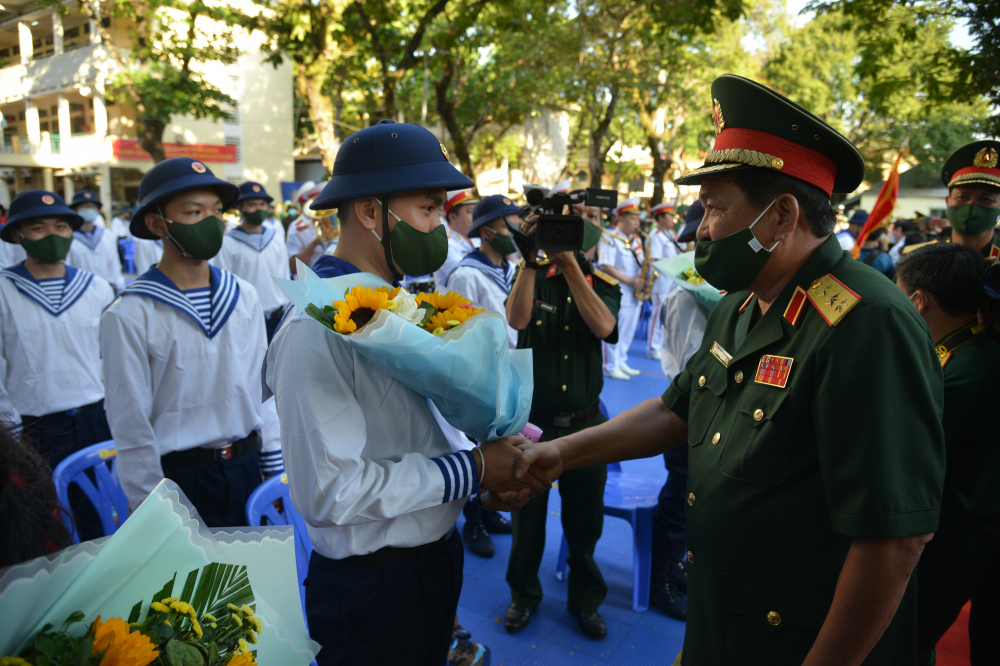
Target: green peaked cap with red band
(758,128)
(977,163)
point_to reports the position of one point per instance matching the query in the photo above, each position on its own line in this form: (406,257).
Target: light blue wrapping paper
(674,266)
(162,537)
(480,386)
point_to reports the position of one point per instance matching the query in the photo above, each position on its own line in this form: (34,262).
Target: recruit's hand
(501,455)
(493,502)
(541,455)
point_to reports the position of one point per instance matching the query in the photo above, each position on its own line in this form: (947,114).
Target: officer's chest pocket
(770,621)
(708,392)
(757,444)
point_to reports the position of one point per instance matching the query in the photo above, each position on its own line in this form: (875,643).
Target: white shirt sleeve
(684,320)
(607,255)
(271,462)
(129,404)
(464,283)
(114,264)
(324,435)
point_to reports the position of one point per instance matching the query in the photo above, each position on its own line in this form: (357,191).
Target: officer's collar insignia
(444,151)
(553,269)
(994,251)
(985,158)
(796,306)
(46,199)
(773,370)
(947,347)
(717,119)
(721,354)
(832,298)
(198,167)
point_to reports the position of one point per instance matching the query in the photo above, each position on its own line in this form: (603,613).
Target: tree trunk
(661,162)
(151,138)
(321,112)
(598,152)
(446,110)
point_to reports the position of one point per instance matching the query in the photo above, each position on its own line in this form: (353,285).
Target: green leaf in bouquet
(133,616)
(324,316)
(219,585)
(75,617)
(181,653)
(188,590)
(429,311)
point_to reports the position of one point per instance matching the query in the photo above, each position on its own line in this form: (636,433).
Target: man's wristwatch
(524,263)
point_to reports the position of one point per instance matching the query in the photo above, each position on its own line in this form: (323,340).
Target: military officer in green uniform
(972,176)
(813,412)
(944,282)
(563,309)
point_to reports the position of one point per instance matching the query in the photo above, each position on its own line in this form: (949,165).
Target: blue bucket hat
(167,179)
(859,217)
(32,204)
(492,208)
(389,158)
(251,190)
(85,196)
(692,219)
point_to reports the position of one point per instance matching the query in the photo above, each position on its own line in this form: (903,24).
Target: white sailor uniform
(97,253)
(300,234)
(183,371)
(147,254)
(626,256)
(661,246)
(257,258)
(11,254)
(485,284)
(458,247)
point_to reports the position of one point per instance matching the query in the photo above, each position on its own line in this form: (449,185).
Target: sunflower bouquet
(435,313)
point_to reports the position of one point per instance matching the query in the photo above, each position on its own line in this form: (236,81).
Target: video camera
(554,231)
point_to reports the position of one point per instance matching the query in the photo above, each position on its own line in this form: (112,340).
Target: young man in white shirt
(458,215)
(620,255)
(302,242)
(662,244)
(369,467)
(96,248)
(183,348)
(254,252)
(50,313)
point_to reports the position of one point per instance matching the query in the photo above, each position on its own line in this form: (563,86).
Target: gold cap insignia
(198,167)
(506,201)
(87,195)
(985,158)
(256,188)
(717,119)
(48,200)
(445,152)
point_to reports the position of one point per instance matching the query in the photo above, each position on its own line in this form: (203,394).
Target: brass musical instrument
(321,220)
(646,272)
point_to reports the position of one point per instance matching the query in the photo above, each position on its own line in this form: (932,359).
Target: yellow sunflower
(120,646)
(359,306)
(451,318)
(443,302)
(242,659)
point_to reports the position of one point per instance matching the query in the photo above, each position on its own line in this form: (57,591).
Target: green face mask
(201,240)
(256,218)
(972,219)
(734,262)
(501,243)
(50,249)
(591,236)
(416,252)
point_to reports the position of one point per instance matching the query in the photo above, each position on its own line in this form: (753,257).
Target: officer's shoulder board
(544,262)
(607,278)
(831,297)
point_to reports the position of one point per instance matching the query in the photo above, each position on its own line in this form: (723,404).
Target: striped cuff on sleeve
(271,463)
(461,476)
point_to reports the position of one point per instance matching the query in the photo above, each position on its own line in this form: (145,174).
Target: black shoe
(592,624)
(669,599)
(478,539)
(495,523)
(516,618)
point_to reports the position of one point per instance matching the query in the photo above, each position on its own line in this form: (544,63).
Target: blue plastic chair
(127,246)
(106,495)
(630,498)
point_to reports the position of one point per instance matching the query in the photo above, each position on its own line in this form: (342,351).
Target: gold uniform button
(716,438)
(564,387)
(701,380)
(567,328)
(690,557)
(538,322)
(566,357)
(691,499)
(774,618)
(739,376)
(758,414)
(569,299)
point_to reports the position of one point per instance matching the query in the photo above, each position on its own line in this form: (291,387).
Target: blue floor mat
(553,636)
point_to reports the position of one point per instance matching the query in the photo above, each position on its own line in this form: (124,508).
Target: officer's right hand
(540,455)
(501,456)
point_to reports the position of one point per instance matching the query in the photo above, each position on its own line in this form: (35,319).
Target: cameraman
(563,310)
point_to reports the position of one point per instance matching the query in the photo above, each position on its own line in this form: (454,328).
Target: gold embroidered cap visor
(977,163)
(758,128)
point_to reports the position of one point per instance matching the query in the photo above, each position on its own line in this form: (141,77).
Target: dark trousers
(400,614)
(271,321)
(668,521)
(582,494)
(956,566)
(219,489)
(57,436)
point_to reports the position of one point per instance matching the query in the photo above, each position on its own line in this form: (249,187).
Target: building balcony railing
(22,145)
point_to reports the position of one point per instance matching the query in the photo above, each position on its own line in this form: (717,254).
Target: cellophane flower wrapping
(674,267)
(476,381)
(163,538)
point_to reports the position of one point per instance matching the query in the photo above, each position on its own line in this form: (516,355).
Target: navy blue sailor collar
(502,275)
(74,286)
(224,289)
(256,241)
(91,240)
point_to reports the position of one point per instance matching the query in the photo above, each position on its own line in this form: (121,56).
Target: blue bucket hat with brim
(492,208)
(33,204)
(85,197)
(389,158)
(170,177)
(251,190)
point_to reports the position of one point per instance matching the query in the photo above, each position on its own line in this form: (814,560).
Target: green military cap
(757,127)
(975,163)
